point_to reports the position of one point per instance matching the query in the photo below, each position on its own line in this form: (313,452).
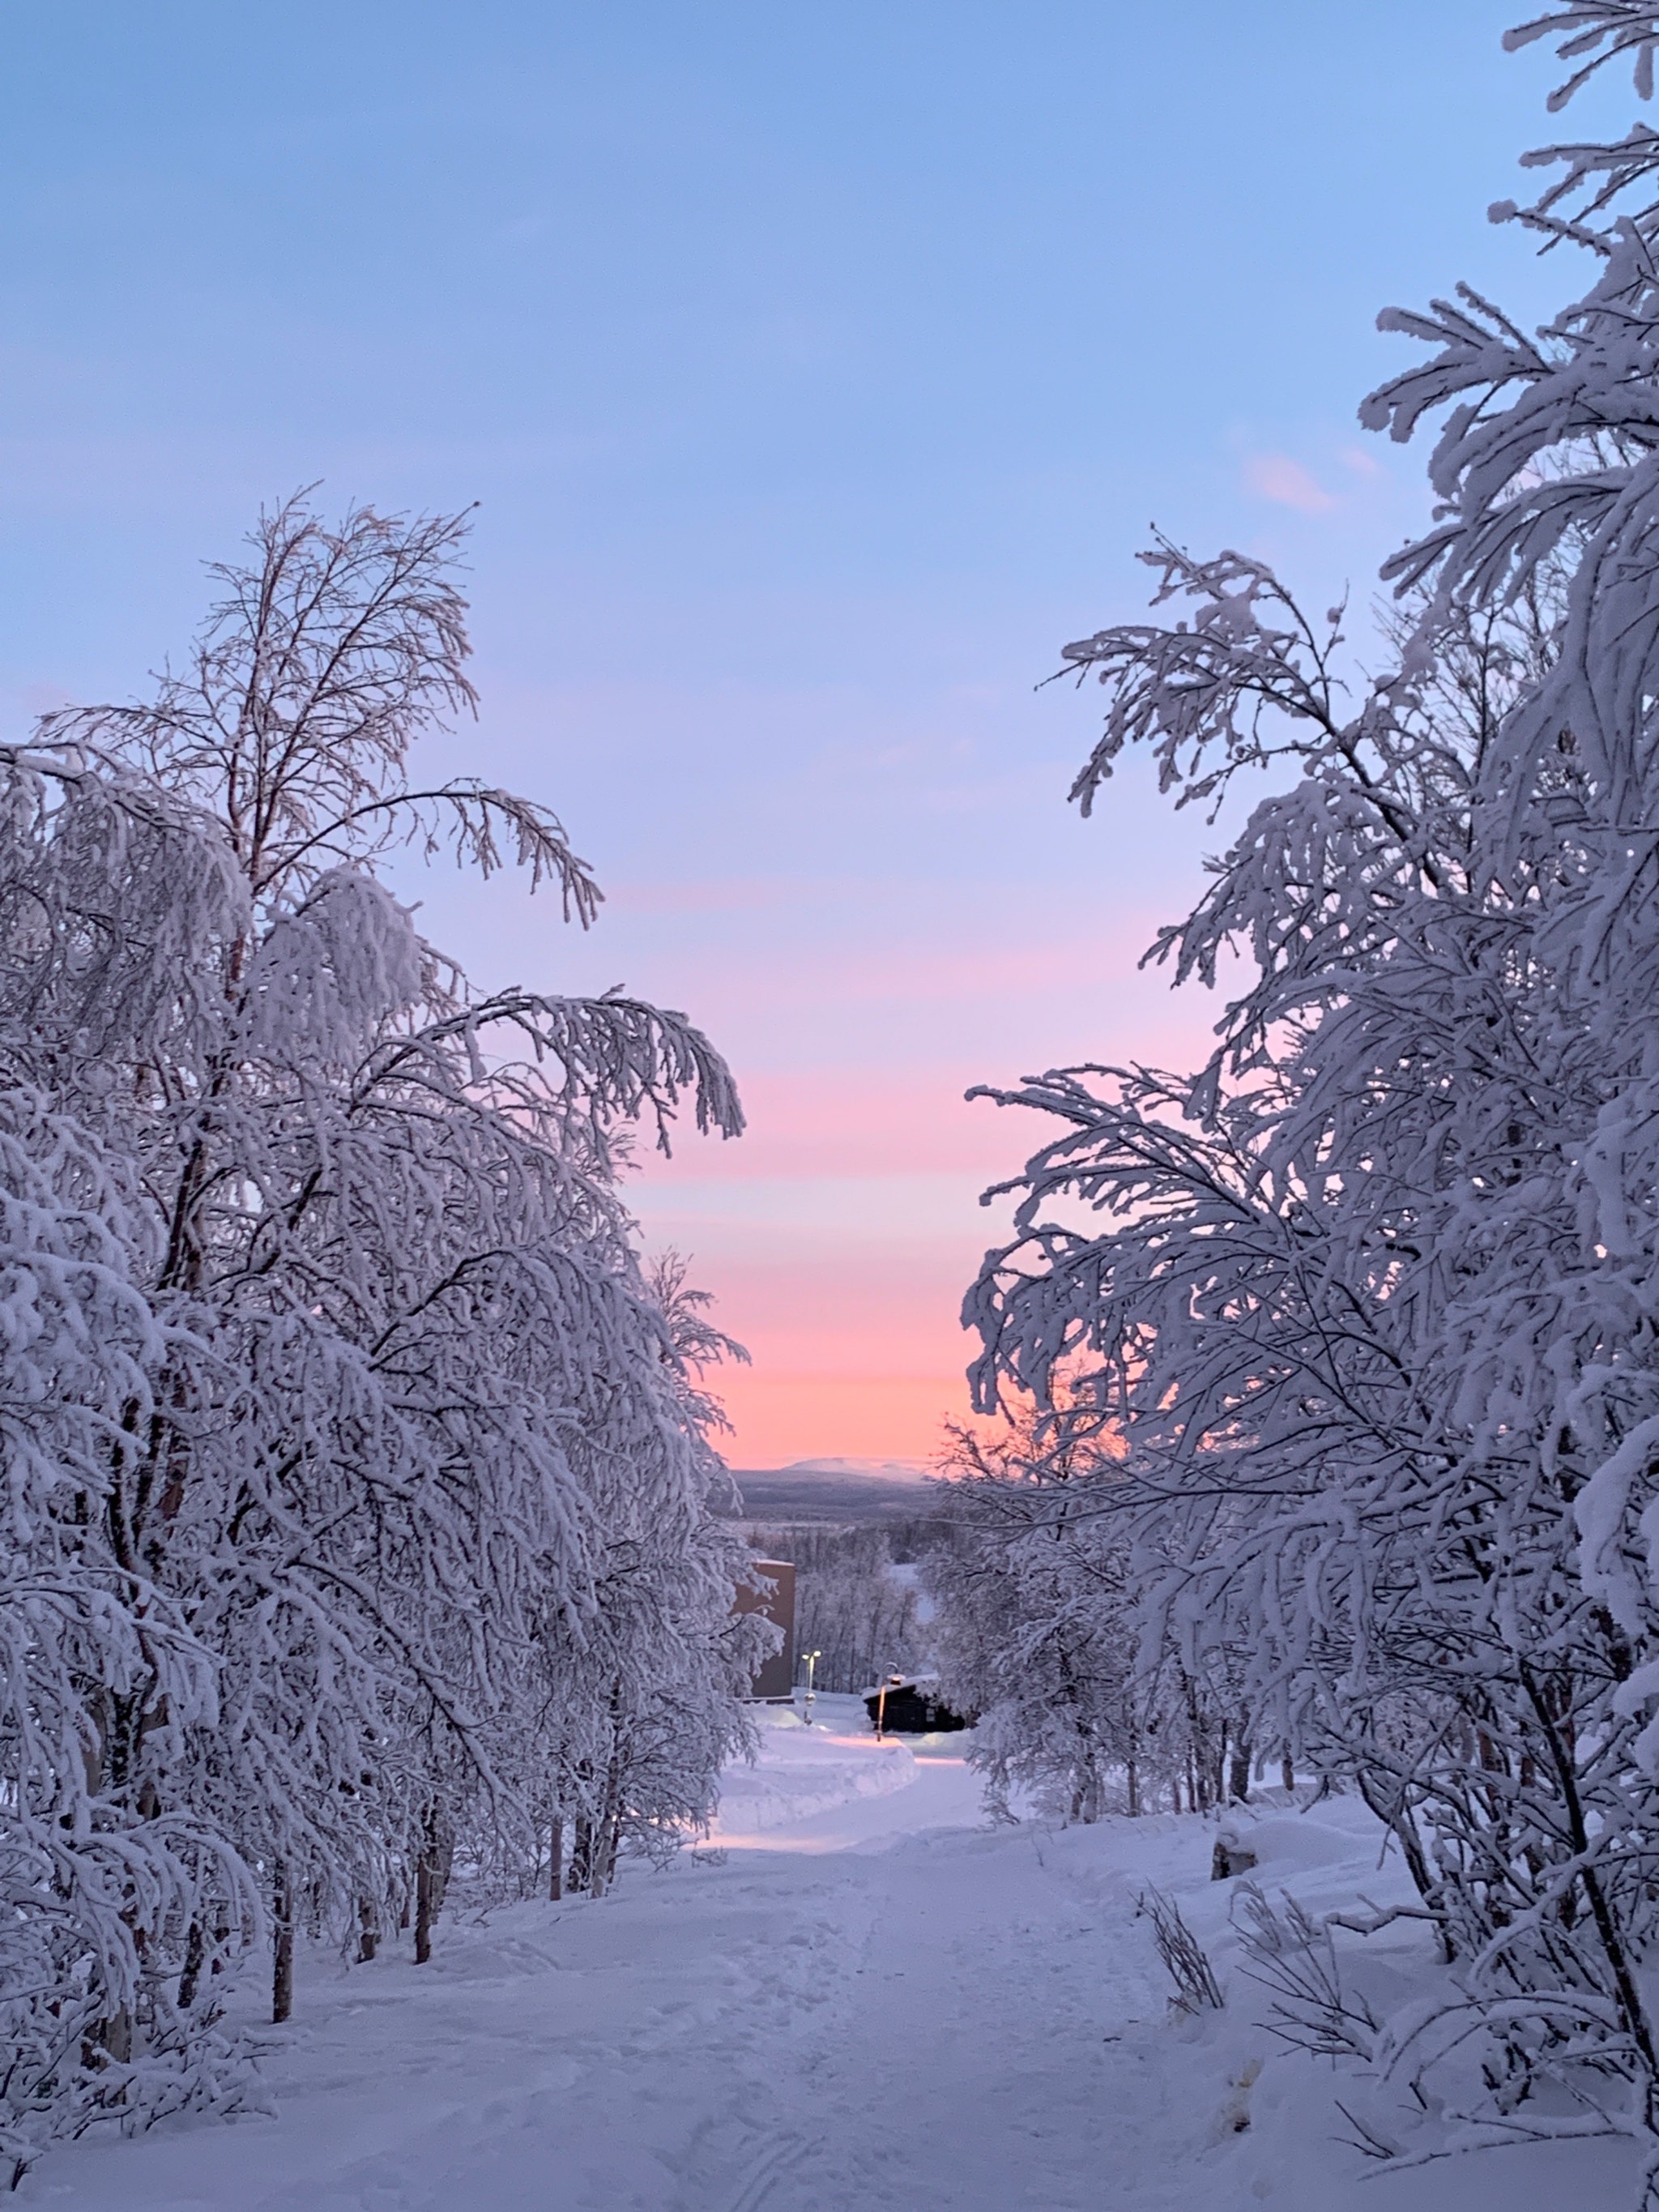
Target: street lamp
(893,1682)
(812,1659)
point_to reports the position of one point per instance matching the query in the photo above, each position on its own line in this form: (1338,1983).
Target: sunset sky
(818,370)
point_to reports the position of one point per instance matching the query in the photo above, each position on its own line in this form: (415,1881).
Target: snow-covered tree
(1373,1301)
(354,1465)
(1038,1630)
(1034,1632)
(850,1607)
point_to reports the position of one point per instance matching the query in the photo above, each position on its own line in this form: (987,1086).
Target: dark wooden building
(912,1706)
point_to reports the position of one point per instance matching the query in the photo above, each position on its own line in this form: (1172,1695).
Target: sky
(817,371)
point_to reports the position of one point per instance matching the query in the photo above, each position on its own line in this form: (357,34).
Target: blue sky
(818,371)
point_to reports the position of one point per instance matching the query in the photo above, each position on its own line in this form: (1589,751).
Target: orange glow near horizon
(778,1417)
(837,1239)
(839,1236)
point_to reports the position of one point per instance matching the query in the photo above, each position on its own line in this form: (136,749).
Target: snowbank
(801,1771)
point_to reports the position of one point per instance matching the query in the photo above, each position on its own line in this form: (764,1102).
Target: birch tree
(355,1449)
(1371,1301)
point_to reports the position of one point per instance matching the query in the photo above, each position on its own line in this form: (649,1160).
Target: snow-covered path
(958,2055)
(874,2003)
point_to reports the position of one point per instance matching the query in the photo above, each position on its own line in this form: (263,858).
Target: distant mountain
(855,1470)
(853,1491)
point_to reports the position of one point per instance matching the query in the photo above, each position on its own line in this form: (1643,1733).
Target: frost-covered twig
(1183,1955)
(1293,1954)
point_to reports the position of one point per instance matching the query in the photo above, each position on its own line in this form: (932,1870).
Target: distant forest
(850,1606)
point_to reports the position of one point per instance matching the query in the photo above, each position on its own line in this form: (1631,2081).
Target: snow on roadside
(879,2001)
(1258,2120)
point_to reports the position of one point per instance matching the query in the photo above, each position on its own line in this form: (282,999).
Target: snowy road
(874,2003)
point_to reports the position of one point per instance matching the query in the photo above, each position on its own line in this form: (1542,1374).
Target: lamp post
(893,1682)
(812,1659)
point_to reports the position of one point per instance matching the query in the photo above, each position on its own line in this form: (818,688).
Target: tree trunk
(556,1878)
(1134,1773)
(581,1854)
(190,1975)
(281,1976)
(115,2036)
(607,1831)
(426,1888)
(607,1842)
(368,1931)
(1238,1777)
(431,1880)
(1287,1772)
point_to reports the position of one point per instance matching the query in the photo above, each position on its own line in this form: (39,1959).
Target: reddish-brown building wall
(776,1678)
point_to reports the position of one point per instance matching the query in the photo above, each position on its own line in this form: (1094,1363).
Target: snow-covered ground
(860,1999)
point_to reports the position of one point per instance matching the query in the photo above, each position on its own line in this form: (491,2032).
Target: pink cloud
(1277,477)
